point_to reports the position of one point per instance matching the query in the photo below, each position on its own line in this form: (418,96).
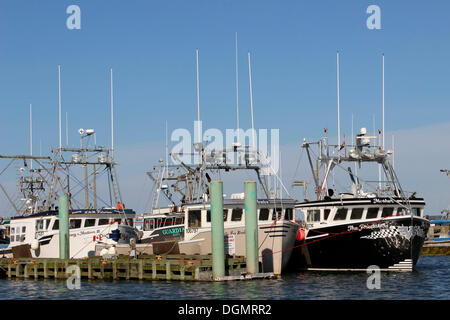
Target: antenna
(59,102)
(339,119)
(251,99)
(237,87)
(67,130)
(383,97)
(167,152)
(393,153)
(198,96)
(112,114)
(31,135)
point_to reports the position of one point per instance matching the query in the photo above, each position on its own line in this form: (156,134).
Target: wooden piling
(152,267)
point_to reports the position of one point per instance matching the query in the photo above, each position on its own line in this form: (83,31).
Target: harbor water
(430,281)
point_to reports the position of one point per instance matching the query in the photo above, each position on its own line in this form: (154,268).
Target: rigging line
(404,198)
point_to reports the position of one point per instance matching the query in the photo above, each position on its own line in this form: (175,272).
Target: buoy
(35,244)
(300,235)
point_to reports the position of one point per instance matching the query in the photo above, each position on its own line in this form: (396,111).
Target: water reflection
(429,281)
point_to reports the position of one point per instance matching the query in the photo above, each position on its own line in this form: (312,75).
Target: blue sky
(151,47)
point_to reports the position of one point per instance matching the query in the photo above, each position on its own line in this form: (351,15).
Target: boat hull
(275,243)
(390,244)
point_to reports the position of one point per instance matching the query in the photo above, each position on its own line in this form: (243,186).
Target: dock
(152,267)
(436,248)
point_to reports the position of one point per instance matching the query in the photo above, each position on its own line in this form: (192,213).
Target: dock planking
(149,267)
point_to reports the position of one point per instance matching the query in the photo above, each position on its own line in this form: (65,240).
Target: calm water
(431,280)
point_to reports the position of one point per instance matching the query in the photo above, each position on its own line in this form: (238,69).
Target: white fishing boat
(76,172)
(183,224)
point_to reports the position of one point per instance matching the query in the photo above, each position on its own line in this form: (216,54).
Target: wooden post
(45,270)
(153,269)
(64,237)
(114,265)
(141,271)
(89,269)
(168,275)
(128,270)
(182,271)
(217,228)
(9,271)
(251,227)
(197,273)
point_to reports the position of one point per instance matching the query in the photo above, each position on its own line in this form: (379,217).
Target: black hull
(388,244)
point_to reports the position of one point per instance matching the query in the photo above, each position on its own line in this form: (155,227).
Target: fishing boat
(189,232)
(372,223)
(184,185)
(36,223)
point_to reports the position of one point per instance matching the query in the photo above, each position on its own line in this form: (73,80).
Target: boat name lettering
(383,200)
(172,231)
(365,226)
(235,232)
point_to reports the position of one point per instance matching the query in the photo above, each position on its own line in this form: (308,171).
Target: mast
(383,97)
(251,99)
(31,136)
(198,95)
(338,106)
(67,130)
(59,102)
(112,113)
(237,89)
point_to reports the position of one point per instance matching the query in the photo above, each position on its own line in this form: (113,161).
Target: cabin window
(102,222)
(416,212)
(372,213)
(180,220)
(47,223)
(195,219)
(387,212)
(208,215)
(341,214)
(277,214)
(152,224)
(39,225)
(225,215)
(169,222)
(56,225)
(288,214)
(17,237)
(89,223)
(313,215)
(264,214)
(326,214)
(401,211)
(236,215)
(357,213)
(22,238)
(75,223)
(13,230)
